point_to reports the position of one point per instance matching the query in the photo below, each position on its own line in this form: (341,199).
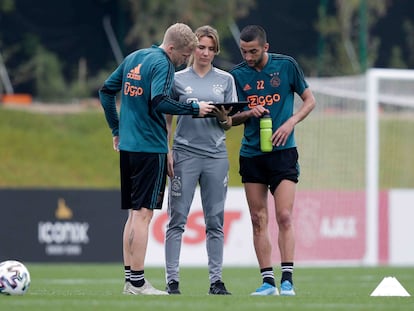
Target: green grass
(75,151)
(71,150)
(98,287)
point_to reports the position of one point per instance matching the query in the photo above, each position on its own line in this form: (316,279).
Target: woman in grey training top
(199,155)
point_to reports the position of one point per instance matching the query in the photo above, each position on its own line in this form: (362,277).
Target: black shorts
(143,179)
(271,168)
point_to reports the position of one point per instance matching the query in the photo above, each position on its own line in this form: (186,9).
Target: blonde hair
(180,36)
(207,31)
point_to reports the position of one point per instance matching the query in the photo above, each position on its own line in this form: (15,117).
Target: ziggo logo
(256,100)
(132,90)
(195,231)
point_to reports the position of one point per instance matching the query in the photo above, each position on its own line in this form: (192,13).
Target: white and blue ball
(14,278)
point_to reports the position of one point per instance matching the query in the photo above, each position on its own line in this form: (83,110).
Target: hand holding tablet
(236,107)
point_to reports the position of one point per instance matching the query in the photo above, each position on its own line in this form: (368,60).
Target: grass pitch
(98,287)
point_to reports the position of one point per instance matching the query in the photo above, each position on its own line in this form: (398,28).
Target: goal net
(354,147)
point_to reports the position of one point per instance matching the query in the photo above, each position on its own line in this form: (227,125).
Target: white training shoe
(125,291)
(146,289)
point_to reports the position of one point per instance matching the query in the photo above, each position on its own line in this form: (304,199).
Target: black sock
(268,275)
(127,273)
(287,272)
(137,278)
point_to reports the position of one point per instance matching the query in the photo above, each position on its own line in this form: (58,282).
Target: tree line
(63,50)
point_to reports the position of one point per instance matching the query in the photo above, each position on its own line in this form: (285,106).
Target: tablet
(237,106)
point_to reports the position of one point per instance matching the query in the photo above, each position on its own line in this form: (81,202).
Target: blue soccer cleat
(266,290)
(286,289)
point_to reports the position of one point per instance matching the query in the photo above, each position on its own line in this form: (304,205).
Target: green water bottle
(266,133)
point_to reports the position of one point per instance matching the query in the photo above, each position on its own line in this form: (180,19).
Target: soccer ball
(14,278)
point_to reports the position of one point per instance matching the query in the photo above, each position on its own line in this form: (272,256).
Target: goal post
(355,150)
(373,78)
